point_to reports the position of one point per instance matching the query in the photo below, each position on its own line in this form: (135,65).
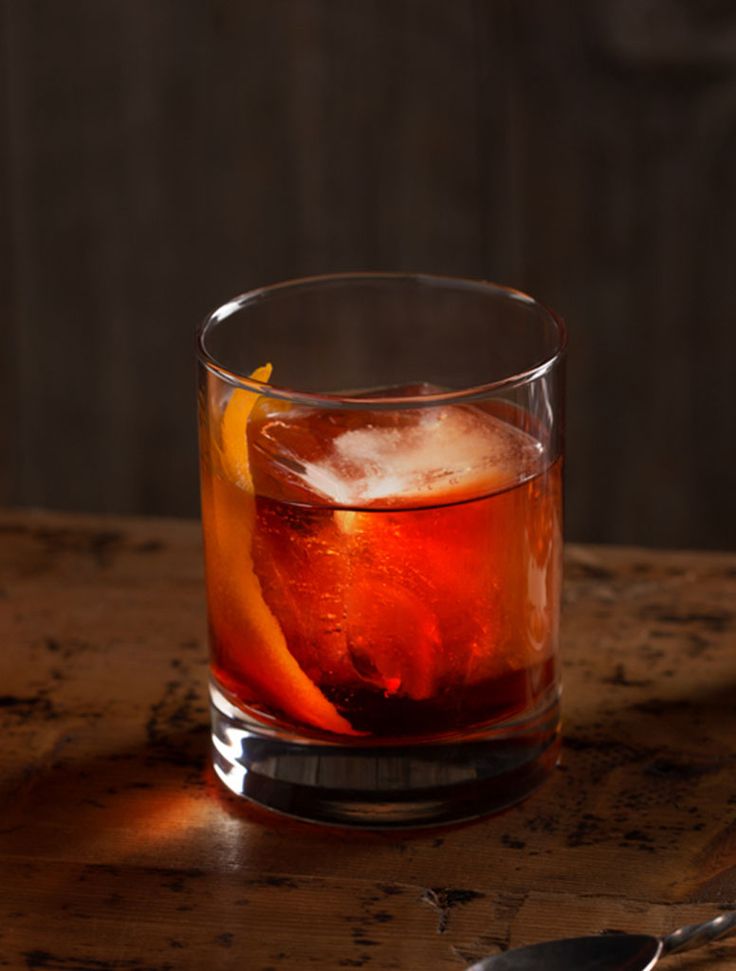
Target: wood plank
(116,840)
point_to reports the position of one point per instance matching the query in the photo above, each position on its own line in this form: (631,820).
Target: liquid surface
(410,561)
(428,456)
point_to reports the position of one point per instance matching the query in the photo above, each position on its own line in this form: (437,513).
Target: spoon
(608,952)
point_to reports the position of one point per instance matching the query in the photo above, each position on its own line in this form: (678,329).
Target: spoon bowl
(610,952)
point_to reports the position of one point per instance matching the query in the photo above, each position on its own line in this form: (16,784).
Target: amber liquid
(415,616)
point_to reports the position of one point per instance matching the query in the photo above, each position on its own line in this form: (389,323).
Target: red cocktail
(383,578)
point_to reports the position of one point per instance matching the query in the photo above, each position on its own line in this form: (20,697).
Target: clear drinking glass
(381,460)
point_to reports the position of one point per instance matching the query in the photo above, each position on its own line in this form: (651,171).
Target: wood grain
(119,850)
(162,156)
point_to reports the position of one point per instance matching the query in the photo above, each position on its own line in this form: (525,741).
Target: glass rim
(329,399)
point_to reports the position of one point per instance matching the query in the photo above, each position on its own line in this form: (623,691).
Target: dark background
(159,156)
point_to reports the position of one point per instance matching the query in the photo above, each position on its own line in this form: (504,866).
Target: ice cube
(452,451)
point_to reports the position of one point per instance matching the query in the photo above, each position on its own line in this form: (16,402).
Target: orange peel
(264,656)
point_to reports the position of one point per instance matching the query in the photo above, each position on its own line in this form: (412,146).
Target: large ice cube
(416,455)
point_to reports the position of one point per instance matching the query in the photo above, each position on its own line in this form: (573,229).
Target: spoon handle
(696,934)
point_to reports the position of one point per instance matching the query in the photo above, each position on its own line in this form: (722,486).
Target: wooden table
(120,852)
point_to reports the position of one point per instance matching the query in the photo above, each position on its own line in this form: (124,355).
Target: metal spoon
(608,952)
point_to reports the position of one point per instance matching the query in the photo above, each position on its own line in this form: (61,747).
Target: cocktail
(381,500)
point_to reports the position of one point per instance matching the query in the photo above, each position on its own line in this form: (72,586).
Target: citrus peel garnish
(262,652)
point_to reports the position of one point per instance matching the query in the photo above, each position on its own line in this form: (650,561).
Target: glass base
(384,786)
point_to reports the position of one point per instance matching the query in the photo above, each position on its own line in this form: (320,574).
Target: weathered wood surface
(158,156)
(119,851)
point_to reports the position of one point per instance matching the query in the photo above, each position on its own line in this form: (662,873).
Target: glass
(381,461)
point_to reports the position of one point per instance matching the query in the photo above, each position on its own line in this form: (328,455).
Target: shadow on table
(66,798)
(125,803)
(121,801)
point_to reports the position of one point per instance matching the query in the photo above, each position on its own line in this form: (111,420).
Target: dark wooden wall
(159,156)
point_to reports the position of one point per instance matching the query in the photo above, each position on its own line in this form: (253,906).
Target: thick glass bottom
(384,786)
